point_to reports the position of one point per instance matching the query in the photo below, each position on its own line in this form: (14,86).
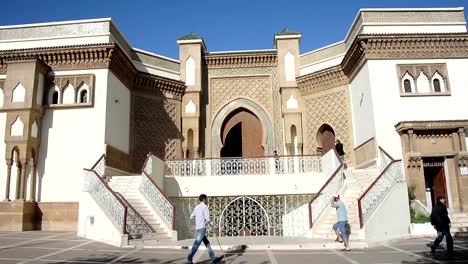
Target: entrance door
(244,216)
(242,135)
(434,175)
(327,138)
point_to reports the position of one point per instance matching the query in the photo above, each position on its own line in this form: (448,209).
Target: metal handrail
(161,195)
(119,223)
(379,180)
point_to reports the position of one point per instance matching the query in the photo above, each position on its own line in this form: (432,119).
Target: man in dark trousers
(201,215)
(340,150)
(441,222)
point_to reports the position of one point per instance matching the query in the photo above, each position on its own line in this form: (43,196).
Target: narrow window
(436,84)
(83,96)
(55,97)
(407,85)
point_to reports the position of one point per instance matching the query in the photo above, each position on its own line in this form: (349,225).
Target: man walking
(201,215)
(441,222)
(342,217)
(340,150)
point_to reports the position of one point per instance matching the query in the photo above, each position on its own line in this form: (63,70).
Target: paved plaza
(66,247)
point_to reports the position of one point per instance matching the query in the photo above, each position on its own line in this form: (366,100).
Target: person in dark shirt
(441,222)
(340,150)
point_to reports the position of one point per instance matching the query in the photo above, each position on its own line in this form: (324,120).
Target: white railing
(155,196)
(100,166)
(390,175)
(331,166)
(244,166)
(111,205)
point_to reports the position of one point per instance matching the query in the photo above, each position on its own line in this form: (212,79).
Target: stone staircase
(356,182)
(459,224)
(128,186)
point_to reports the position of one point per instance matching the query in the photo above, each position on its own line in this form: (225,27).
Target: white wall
(3,168)
(117,114)
(244,185)
(53,42)
(71,139)
(362,106)
(156,70)
(382,225)
(327,63)
(390,108)
(412,28)
(94,224)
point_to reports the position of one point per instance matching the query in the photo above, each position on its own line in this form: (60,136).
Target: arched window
(407,86)
(436,84)
(83,96)
(55,96)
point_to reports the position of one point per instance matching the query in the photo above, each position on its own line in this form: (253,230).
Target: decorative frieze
(233,60)
(94,56)
(152,83)
(322,80)
(404,46)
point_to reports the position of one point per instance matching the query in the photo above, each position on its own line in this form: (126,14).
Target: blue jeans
(198,240)
(448,238)
(340,227)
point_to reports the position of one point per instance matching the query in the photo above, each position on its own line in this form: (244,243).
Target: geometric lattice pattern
(257,89)
(328,109)
(275,206)
(268,96)
(154,129)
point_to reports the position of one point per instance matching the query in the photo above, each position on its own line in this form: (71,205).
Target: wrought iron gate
(244,217)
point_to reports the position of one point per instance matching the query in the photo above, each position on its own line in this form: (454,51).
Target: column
(461,135)
(23,181)
(32,190)
(411,141)
(8,179)
(18,180)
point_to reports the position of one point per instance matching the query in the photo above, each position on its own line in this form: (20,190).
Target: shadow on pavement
(460,248)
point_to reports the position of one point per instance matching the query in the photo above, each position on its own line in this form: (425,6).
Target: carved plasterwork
(155,128)
(322,80)
(76,81)
(241,60)
(258,75)
(429,69)
(404,46)
(94,56)
(328,108)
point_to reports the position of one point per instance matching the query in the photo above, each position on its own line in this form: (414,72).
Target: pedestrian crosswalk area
(65,247)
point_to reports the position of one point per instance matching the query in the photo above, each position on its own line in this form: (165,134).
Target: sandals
(346,249)
(337,240)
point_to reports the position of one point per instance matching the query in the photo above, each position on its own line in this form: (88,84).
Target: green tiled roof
(190,36)
(286,31)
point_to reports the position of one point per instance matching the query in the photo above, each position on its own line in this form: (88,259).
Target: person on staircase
(441,222)
(340,150)
(342,217)
(201,215)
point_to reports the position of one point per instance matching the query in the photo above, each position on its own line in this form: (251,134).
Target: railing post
(208,167)
(296,164)
(272,165)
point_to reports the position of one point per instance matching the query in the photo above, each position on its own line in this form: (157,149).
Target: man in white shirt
(201,215)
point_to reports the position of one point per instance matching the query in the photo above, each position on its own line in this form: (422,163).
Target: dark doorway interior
(434,176)
(327,138)
(233,142)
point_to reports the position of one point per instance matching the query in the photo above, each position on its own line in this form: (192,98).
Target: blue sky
(225,25)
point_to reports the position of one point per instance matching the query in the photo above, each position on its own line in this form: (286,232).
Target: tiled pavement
(66,247)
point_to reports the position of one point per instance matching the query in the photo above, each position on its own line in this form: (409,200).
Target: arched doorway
(241,135)
(326,138)
(244,217)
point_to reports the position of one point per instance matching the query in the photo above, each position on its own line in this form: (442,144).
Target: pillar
(32,190)
(18,180)
(8,180)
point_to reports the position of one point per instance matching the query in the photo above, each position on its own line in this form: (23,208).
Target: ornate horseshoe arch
(244,217)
